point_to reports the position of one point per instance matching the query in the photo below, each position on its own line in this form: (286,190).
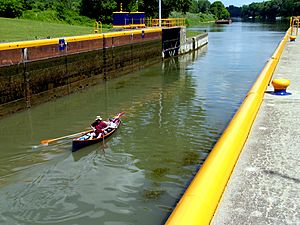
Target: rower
(98,127)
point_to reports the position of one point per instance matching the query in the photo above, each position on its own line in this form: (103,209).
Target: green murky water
(175,112)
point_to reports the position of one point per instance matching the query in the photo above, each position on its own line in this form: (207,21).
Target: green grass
(21,29)
(194,19)
(190,33)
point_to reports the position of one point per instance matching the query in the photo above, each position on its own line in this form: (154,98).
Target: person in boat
(98,127)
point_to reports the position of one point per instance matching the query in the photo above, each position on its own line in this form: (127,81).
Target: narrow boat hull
(84,141)
(223,21)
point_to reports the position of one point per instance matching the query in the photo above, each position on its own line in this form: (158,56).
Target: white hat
(98,118)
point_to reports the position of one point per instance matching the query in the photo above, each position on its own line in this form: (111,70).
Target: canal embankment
(201,199)
(32,72)
(265,184)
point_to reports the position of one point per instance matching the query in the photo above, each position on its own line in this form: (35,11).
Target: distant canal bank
(175,112)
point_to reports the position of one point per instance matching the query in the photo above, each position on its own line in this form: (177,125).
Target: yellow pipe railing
(96,27)
(171,22)
(199,202)
(37,43)
(294,23)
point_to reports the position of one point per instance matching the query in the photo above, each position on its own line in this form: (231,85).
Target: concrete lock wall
(32,72)
(37,71)
(193,43)
(175,42)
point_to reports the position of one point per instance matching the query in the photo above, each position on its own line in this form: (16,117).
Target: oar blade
(44,142)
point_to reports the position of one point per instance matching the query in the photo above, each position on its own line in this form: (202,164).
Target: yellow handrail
(294,23)
(36,43)
(170,22)
(96,27)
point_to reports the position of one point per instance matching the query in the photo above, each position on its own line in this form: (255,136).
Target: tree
(98,9)
(204,6)
(11,8)
(27,4)
(150,8)
(271,9)
(287,8)
(194,7)
(235,11)
(198,6)
(219,10)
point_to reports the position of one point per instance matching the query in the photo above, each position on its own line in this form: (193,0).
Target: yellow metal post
(100,26)
(96,27)
(292,25)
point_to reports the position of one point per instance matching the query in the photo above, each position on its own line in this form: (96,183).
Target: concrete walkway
(265,185)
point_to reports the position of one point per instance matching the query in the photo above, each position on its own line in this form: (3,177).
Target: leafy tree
(175,5)
(198,6)
(27,4)
(271,9)
(98,9)
(218,9)
(194,7)
(204,6)
(234,11)
(245,10)
(288,8)
(11,8)
(150,7)
(182,5)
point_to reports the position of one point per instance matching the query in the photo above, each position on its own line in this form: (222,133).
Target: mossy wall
(44,72)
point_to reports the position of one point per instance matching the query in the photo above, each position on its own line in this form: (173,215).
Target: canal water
(175,111)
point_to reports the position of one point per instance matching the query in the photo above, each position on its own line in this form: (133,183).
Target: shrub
(67,16)
(10,8)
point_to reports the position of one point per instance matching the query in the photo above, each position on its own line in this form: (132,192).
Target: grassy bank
(195,19)
(21,29)
(190,33)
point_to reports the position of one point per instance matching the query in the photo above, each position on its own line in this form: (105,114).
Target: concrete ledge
(264,187)
(199,202)
(194,43)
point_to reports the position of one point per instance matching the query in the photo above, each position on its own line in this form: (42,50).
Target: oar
(45,142)
(103,138)
(120,114)
(103,134)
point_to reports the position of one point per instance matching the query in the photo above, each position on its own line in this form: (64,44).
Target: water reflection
(175,112)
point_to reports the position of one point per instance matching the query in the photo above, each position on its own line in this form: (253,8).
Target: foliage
(150,7)
(218,9)
(11,8)
(46,16)
(234,11)
(98,9)
(202,6)
(69,17)
(193,19)
(269,10)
